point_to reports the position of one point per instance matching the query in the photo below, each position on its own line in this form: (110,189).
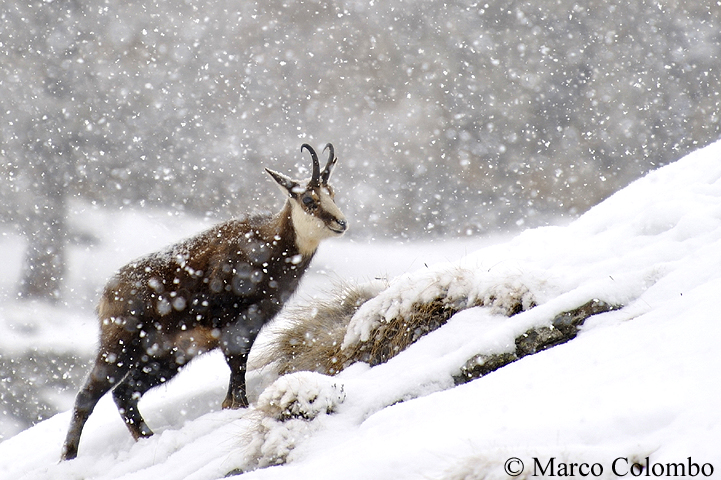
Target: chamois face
(313,210)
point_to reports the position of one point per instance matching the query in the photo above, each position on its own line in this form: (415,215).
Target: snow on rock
(301,395)
(284,413)
(637,385)
(505,290)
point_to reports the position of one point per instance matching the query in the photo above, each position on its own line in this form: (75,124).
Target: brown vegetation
(313,338)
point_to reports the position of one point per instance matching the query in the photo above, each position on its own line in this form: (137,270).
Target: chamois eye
(308,201)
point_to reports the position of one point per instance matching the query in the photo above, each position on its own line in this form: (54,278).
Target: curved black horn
(325,176)
(315,178)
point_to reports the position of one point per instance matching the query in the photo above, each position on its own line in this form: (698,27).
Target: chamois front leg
(236,397)
(235,342)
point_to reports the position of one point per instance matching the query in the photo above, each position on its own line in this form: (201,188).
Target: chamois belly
(174,350)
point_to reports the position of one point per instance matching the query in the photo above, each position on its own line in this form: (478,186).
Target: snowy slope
(638,382)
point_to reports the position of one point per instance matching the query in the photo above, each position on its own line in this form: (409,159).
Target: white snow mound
(637,385)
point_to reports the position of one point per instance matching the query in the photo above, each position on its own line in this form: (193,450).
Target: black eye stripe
(327,218)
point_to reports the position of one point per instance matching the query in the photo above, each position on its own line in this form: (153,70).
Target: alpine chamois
(214,290)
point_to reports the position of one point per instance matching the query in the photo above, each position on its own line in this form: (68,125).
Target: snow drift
(636,386)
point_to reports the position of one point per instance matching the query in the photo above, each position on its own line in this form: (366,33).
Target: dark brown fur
(215,290)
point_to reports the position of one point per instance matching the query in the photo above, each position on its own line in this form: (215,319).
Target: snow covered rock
(302,395)
(373,322)
(503,289)
(284,415)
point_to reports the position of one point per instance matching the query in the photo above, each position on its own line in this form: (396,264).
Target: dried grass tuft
(394,335)
(312,337)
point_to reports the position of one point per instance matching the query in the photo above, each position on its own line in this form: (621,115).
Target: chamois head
(313,210)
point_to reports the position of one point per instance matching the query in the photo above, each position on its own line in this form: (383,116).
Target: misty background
(450,118)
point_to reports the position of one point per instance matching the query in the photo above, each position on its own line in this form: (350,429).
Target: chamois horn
(315,178)
(325,176)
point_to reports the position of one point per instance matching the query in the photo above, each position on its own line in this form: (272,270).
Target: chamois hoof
(234,404)
(140,431)
(68,454)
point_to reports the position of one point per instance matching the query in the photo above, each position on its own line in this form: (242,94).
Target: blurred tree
(449,117)
(44,217)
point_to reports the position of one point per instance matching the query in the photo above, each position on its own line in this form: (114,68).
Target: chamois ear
(290,186)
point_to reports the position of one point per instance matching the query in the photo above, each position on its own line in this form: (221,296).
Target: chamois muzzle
(339,227)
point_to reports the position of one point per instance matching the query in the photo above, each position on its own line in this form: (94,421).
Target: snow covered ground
(638,385)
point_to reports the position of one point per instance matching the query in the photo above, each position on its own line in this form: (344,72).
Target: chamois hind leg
(128,392)
(101,379)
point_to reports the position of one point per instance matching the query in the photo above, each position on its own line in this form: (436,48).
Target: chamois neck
(300,229)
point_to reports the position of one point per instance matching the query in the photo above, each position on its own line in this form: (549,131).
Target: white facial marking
(327,204)
(309,229)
